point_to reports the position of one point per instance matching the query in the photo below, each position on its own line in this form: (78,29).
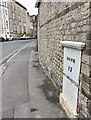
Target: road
(15,78)
(8,47)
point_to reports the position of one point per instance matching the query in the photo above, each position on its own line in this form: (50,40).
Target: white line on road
(3,68)
(5,59)
(9,57)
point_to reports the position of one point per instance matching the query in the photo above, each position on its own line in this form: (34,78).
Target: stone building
(34,20)
(29,25)
(4,19)
(61,21)
(17,18)
(32,25)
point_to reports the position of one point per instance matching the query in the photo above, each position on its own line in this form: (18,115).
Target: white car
(28,37)
(23,37)
(9,37)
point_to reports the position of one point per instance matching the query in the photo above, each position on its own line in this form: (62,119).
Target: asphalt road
(8,47)
(15,79)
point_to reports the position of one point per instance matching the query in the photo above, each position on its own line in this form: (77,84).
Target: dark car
(2,39)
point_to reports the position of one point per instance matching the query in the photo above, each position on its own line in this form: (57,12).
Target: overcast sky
(30,5)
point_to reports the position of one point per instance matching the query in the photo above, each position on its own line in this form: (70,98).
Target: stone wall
(66,22)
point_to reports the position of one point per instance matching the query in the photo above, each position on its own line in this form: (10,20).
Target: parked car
(28,37)
(9,37)
(22,37)
(33,37)
(2,38)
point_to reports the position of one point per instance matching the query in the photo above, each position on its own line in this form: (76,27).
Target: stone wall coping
(74,45)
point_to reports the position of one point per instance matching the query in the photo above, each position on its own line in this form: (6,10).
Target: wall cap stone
(74,45)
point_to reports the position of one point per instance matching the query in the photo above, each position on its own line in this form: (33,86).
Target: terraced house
(4,18)
(17,18)
(64,44)
(31,25)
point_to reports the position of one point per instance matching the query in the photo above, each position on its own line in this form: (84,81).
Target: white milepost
(71,72)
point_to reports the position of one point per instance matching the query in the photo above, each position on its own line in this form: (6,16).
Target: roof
(20,5)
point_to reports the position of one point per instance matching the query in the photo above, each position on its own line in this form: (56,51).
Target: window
(24,19)
(20,29)
(7,24)
(24,12)
(19,10)
(35,24)
(5,4)
(31,25)
(15,28)
(3,9)
(24,29)
(6,12)
(33,17)
(14,16)
(19,18)
(13,6)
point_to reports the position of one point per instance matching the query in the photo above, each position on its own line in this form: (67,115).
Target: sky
(30,5)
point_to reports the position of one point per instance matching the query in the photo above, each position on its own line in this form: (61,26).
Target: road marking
(5,59)
(11,55)
(3,68)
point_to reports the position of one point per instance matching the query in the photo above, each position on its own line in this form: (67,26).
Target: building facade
(34,22)
(17,19)
(61,21)
(4,18)
(32,25)
(29,25)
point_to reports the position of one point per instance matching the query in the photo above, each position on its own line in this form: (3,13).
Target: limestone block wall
(63,21)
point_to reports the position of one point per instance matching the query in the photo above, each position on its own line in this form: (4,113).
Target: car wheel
(3,40)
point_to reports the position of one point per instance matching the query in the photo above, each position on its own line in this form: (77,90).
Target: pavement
(35,95)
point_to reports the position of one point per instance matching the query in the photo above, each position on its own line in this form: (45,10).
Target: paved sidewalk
(43,102)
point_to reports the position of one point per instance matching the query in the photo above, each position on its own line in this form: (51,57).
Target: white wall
(4,18)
